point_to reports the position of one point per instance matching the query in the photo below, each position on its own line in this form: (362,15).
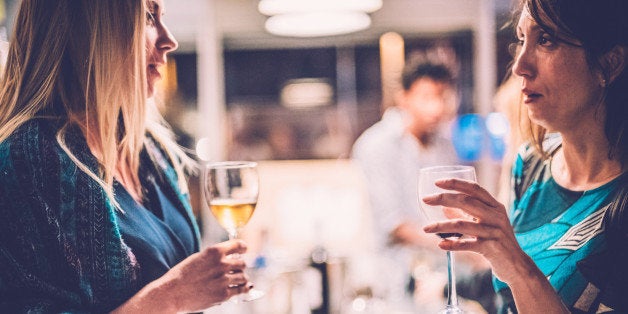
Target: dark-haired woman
(564,245)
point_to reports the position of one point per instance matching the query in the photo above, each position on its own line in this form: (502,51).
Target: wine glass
(427,177)
(231,189)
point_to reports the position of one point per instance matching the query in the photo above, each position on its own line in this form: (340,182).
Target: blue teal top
(157,232)
(560,230)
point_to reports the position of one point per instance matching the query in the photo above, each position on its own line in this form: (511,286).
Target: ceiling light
(275,7)
(315,24)
(307,92)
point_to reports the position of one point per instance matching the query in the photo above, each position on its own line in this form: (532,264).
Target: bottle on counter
(319,262)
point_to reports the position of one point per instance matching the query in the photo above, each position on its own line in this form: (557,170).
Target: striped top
(563,231)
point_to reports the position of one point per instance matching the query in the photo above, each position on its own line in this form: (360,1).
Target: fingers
(232,247)
(468,187)
(452,226)
(469,204)
(239,289)
(462,244)
(466,227)
(453,213)
(232,283)
(217,252)
(235,265)
(216,261)
(236,279)
(472,198)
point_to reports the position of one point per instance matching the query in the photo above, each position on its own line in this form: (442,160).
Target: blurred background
(295,99)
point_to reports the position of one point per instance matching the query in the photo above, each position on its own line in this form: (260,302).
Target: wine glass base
(252,295)
(451,310)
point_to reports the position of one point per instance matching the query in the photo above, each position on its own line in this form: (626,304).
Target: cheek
(573,79)
(151,40)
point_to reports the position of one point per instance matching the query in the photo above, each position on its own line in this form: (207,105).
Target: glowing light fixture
(315,24)
(275,7)
(307,18)
(307,92)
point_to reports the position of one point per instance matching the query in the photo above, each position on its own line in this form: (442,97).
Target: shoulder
(32,158)
(30,168)
(530,165)
(381,137)
(31,145)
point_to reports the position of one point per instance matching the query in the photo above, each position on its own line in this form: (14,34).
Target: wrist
(153,298)
(526,274)
(532,291)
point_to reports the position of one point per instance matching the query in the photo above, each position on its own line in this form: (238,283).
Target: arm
(492,236)
(384,193)
(61,250)
(202,280)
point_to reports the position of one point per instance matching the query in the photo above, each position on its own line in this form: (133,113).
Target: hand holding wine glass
(427,179)
(231,190)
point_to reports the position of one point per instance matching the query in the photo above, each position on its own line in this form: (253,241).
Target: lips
(153,69)
(530,95)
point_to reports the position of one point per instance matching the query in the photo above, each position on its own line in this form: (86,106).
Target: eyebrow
(534,28)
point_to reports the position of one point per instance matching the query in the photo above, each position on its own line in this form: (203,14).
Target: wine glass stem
(233,234)
(452,296)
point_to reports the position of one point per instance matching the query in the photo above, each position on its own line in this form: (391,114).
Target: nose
(435,110)
(523,61)
(166,41)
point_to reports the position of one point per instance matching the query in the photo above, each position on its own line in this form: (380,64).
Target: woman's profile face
(159,42)
(560,89)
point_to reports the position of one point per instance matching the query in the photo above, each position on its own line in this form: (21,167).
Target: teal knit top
(61,248)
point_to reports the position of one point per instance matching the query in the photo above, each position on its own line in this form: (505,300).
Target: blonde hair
(84,62)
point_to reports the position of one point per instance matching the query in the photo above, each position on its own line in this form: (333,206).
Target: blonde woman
(94,215)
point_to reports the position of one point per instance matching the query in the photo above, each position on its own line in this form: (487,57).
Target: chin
(150,89)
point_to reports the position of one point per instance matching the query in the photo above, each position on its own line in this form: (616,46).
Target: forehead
(155,4)
(528,23)
(426,84)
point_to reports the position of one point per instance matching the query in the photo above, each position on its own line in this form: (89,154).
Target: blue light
(472,135)
(497,126)
(468,136)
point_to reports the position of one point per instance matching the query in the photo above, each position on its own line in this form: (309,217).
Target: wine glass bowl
(427,178)
(232,214)
(231,190)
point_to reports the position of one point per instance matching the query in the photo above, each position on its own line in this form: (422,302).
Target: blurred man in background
(408,137)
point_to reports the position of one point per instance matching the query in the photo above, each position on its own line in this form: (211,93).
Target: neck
(423,138)
(123,172)
(582,163)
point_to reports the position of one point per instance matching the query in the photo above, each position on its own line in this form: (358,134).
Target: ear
(613,63)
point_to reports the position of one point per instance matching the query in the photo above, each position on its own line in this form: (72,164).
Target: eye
(546,40)
(150,18)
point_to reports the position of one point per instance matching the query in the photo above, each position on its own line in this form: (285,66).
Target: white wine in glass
(231,190)
(232,214)
(427,178)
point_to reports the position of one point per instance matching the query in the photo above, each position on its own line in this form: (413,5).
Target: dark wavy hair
(416,69)
(598,27)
